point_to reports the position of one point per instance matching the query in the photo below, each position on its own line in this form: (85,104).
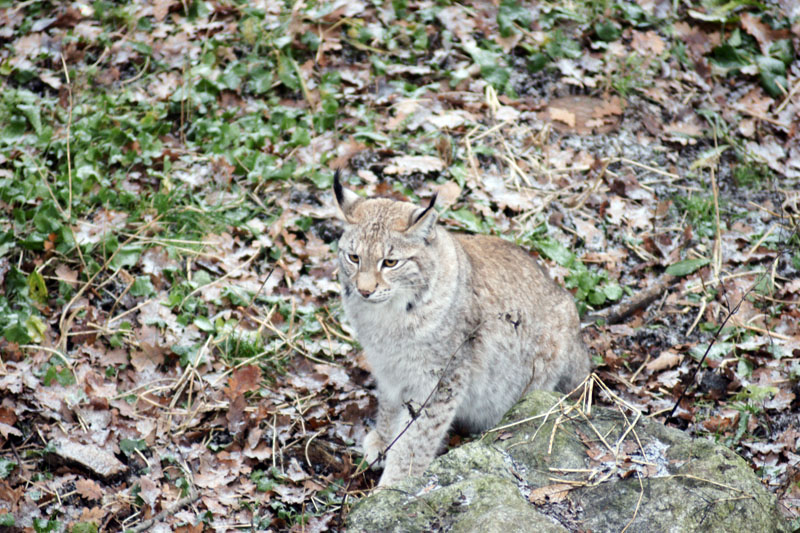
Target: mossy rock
(550,466)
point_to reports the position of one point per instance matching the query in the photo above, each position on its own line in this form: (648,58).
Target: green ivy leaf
(554,250)
(773,75)
(236,295)
(612,291)
(512,12)
(467,219)
(491,64)
(204,324)
(727,58)
(287,74)
(84,527)
(128,446)
(607,30)
(17,332)
(686,267)
(142,287)
(597,297)
(43,525)
(36,328)
(718,351)
(6,467)
(783,50)
(33,113)
(127,256)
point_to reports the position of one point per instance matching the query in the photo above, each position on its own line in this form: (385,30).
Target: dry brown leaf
(583,114)
(455,19)
(89,489)
(648,43)
(160,9)
(291,495)
(667,359)
(95,514)
(149,491)
(699,42)
(685,128)
(761,32)
(6,430)
(7,415)
(593,238)
(564,115)
(450,119)
(244,379)
(447,194)
(67,275)
(295,472)
(612,106)
(550,493)
(89,456)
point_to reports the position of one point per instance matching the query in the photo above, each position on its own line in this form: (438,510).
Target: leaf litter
(169,303)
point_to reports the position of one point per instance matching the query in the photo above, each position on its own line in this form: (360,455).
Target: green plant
(741,50)
(751,174)
(592,286)
(699,211)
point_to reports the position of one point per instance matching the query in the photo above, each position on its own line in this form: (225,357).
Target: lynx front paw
(373,448)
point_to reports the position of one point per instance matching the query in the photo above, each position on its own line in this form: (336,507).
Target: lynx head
(385,248)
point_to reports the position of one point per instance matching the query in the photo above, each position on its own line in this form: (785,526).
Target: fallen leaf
(295,471)
(550,493)
(6,430)
(244,379)
(160,9)
(763,34)
(414,163)
(90,457)
(564,115)
(667,359)
(447,194)
(648,43)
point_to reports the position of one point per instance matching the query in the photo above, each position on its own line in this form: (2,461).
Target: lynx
(456,328)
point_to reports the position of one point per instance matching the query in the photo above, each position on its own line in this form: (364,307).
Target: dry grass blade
(638,504)
(61,323)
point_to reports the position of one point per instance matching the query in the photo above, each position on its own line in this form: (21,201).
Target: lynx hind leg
(374,446)
(577,365)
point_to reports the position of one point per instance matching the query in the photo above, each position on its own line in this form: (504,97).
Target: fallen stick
(621,311)
(172,509)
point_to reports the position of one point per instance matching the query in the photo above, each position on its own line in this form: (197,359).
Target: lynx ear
(345,199)
(423,221)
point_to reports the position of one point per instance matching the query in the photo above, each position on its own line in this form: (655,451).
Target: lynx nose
(365,293)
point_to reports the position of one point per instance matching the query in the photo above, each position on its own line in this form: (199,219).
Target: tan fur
(468,320)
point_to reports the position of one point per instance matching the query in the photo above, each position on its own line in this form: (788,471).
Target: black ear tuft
(425,211)
(337,188)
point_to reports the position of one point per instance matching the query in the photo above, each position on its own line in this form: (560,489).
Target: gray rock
(550,467)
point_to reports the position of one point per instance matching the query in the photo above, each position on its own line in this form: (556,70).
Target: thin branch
(621,311)
(710,344)
(172,509)
(416,415)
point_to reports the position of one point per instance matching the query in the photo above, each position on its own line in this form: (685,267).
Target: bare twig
(172,509)
(621,311)
(710,344)
(69,127)
(419,411)
(64,333)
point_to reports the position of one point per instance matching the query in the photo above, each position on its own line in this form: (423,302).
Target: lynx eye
(353,258)
(390,263)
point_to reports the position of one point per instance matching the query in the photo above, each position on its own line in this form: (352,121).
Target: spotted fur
(467,322)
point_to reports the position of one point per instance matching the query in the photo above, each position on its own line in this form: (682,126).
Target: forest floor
(172,342)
